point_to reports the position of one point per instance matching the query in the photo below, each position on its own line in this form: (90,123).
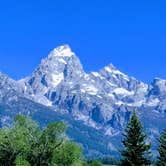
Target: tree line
(25,144)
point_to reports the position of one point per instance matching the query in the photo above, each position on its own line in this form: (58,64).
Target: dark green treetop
(162,149)
(136,152)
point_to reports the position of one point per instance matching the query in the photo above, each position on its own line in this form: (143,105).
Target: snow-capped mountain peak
(111,67)
(59,66)
(62,51)
(112,70)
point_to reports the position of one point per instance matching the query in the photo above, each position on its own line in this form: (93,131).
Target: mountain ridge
(103,100)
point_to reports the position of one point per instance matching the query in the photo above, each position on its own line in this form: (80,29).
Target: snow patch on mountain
(62,61)
(122,91)
(96,74)
(57,79)
(90,89)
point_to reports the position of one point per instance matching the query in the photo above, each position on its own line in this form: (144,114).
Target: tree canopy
(26,144)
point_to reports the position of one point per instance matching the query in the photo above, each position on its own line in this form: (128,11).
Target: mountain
(100,102)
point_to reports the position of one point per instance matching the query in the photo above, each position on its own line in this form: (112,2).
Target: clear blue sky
(131,34)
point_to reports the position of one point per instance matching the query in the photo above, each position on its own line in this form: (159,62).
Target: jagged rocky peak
(3,76)
(157,87)
(159,82)
(115,76)
(6,81)
(61,65)
(8,87)
(111,67)
(112,71)
(107,70)
(61,60)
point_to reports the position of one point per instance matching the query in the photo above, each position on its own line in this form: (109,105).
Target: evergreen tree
(162,149)
(136,152)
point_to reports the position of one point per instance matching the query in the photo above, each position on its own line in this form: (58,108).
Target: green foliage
(68,154)
(27,145)
(136,152)
(43,149)
(162,149)
(95,163)
(20,161)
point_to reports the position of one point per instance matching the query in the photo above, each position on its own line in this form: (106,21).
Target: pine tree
(162,149)
(136,152)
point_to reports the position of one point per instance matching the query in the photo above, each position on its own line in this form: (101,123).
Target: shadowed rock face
(103,100)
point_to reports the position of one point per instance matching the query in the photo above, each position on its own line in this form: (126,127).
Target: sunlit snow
(57,79)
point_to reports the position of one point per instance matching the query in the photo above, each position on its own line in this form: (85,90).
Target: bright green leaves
(26,144)
(68,154)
